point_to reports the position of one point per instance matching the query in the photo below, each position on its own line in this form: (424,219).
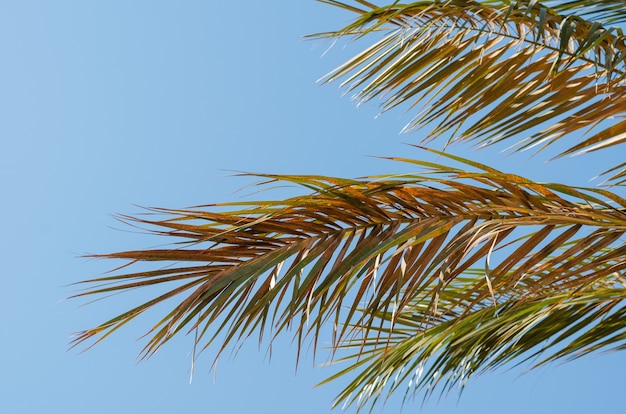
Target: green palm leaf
(410,356)
(608,11)
(488,71)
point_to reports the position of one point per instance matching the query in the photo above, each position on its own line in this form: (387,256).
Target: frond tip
(387,260)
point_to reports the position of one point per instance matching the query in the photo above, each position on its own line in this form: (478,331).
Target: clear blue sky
(105,105)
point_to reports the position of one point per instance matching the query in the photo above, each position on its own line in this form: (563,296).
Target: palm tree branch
(462,62)
(447,353)
(377,244)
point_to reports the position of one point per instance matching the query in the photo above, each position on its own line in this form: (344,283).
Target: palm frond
(607,11)
(352,250)
(487,71)
(405,355)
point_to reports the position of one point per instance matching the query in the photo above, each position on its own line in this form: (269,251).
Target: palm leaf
(616,175)
(406,354)
(609,11)
(488,71)
(353,250)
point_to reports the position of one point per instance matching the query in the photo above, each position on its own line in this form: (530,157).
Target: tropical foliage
(425,279)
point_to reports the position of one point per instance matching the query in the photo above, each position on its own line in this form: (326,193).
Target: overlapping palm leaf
(409,356)
(353,250)
(493,70)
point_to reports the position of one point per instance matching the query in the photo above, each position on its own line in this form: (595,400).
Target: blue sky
(108,105)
